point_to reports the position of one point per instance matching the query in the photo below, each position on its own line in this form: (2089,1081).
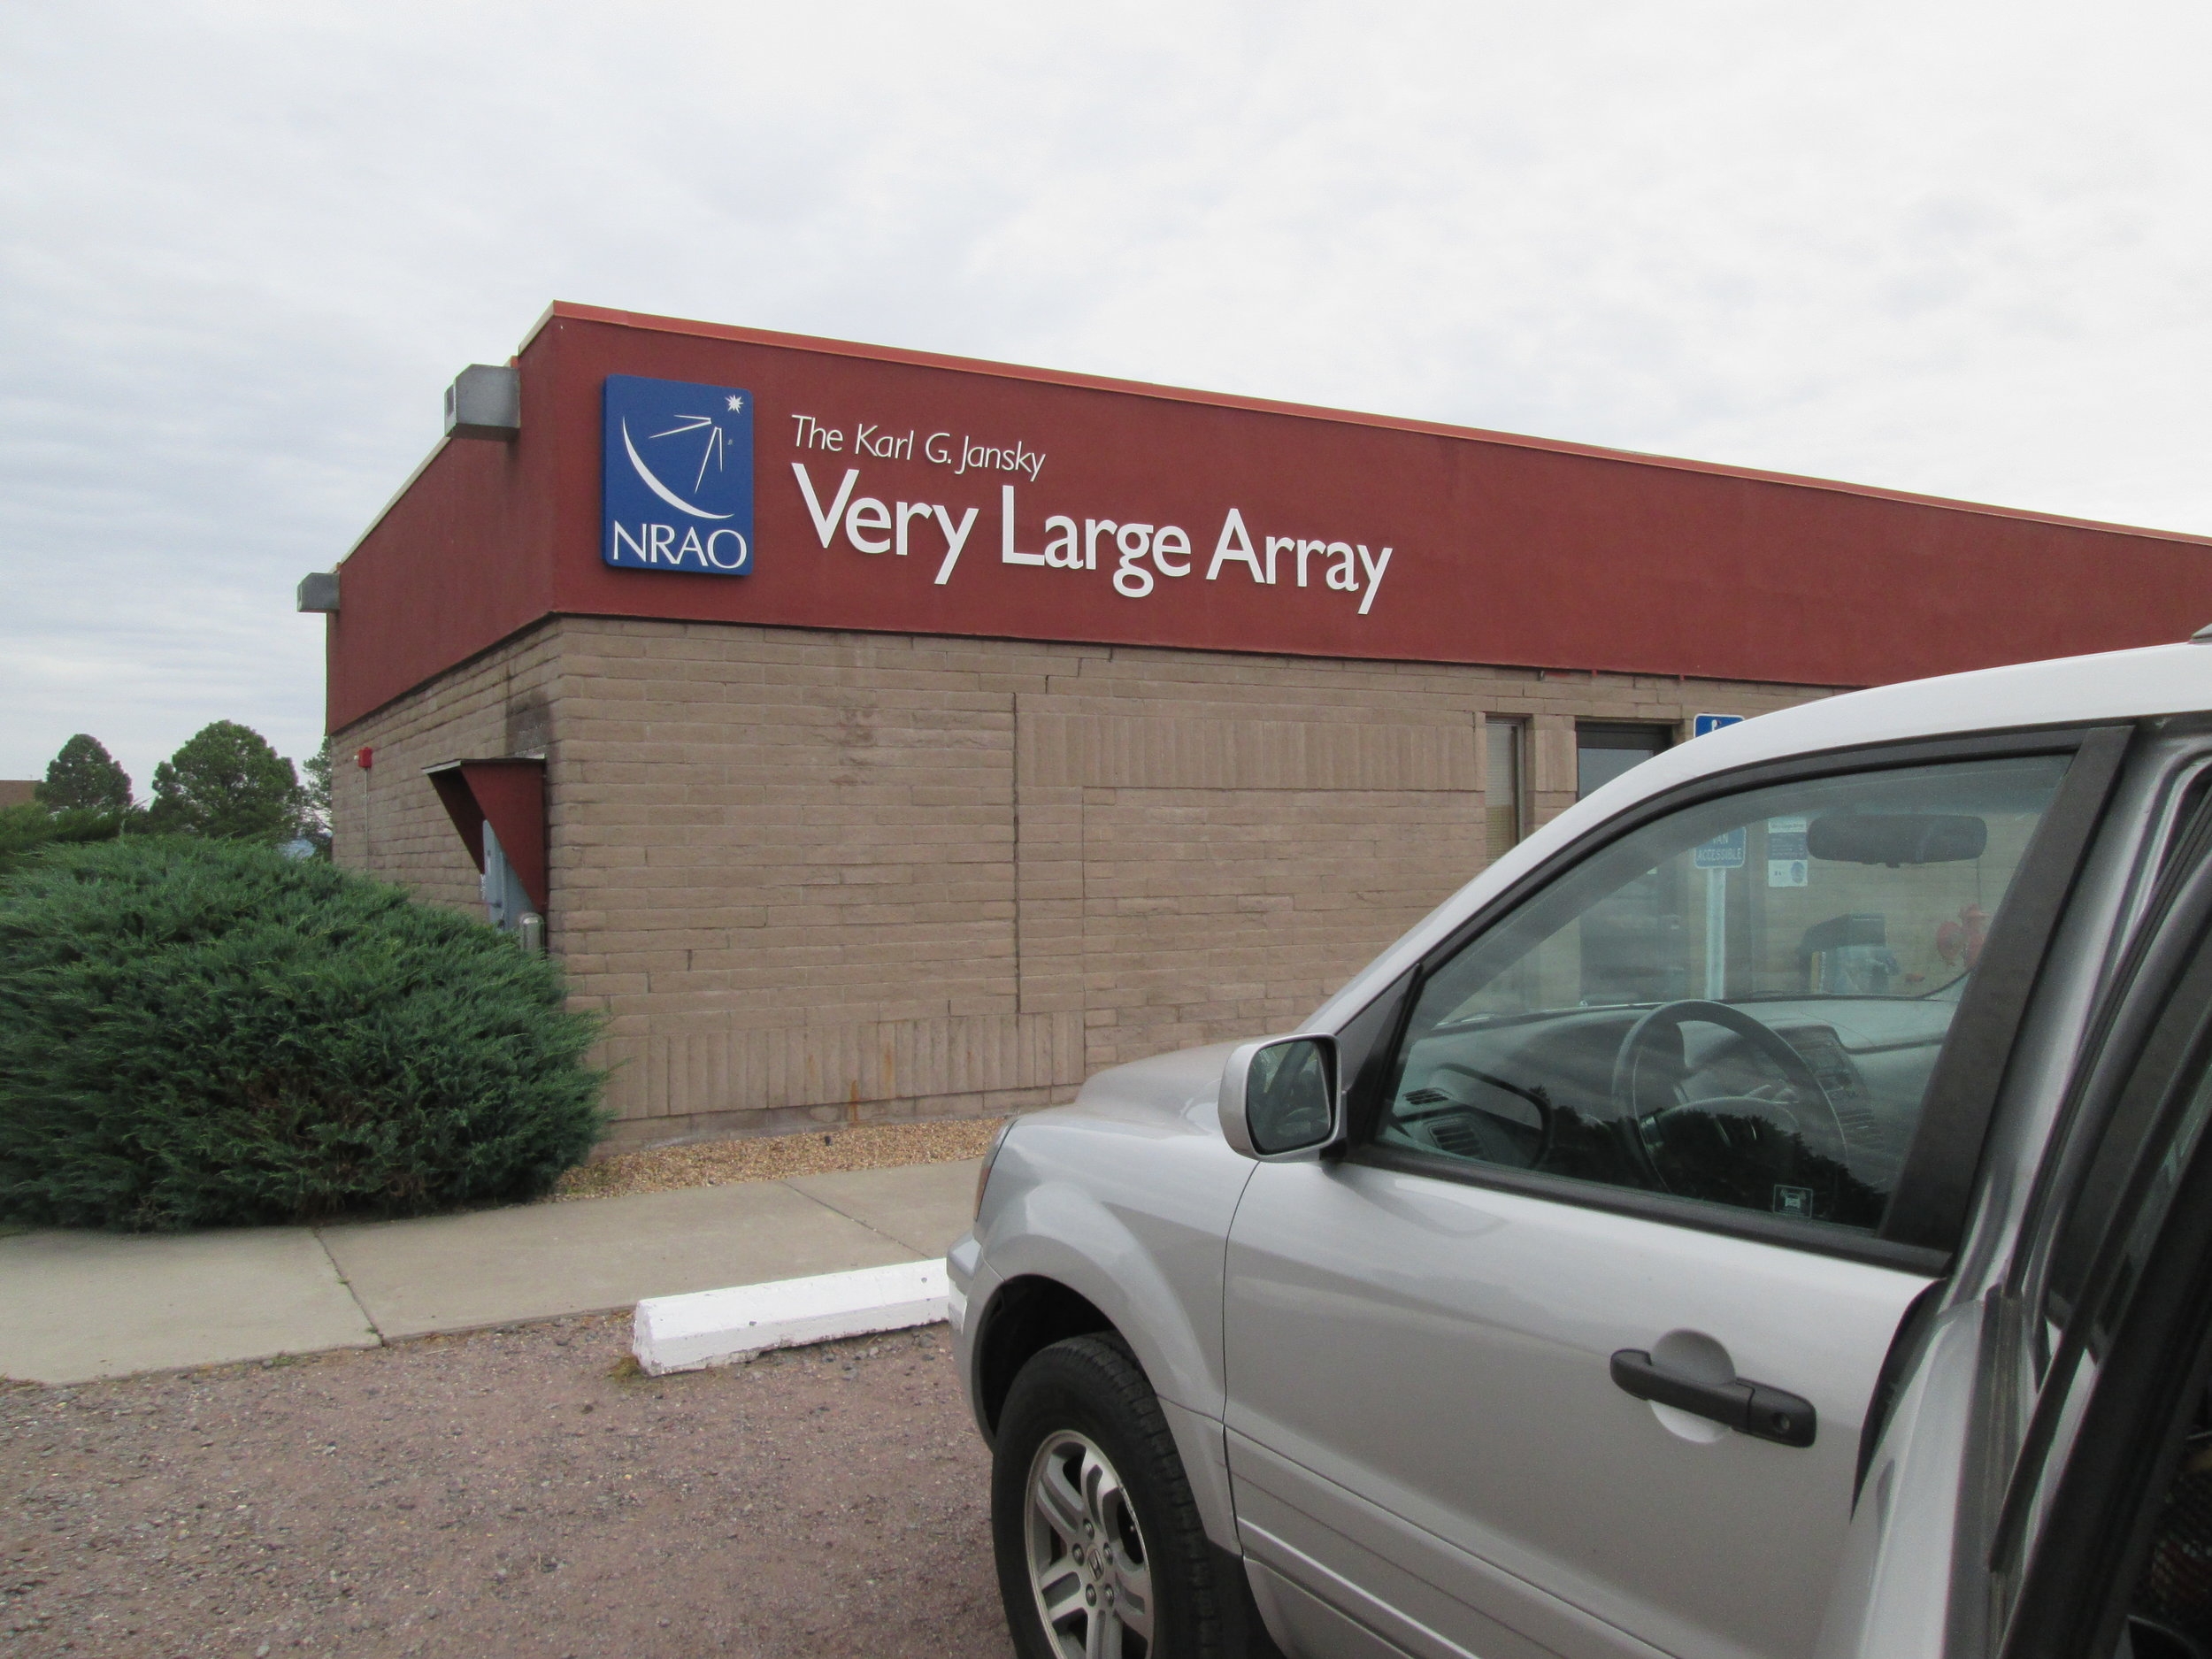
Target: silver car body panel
(1125,1197)
(1896,1560)
(1307,1627)
(1420,1367)
(1360,1569)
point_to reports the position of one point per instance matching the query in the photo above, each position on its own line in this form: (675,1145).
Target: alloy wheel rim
(1089,1570)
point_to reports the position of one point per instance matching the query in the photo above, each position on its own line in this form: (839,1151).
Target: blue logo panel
(677,472)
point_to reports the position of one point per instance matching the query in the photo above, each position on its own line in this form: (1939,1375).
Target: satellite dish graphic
(713,443)
(675,476)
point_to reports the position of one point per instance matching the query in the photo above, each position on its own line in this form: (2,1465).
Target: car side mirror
(1279,1097)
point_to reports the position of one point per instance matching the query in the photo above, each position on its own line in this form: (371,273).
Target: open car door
(2043,1486)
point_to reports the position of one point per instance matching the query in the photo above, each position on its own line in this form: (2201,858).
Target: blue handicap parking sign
(1723,852)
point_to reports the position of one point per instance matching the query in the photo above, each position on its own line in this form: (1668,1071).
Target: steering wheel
(1697,1132)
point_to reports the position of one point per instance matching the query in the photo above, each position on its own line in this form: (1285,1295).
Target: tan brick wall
(387,820)
(818,878)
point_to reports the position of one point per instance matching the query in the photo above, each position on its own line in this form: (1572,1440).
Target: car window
(1740,1003)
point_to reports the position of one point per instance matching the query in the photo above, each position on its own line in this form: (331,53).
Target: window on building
(1602,752)
(1505,795)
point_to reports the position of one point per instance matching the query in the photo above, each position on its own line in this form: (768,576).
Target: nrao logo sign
(677,474)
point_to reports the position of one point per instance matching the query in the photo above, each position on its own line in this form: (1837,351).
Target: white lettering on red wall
(1137,557)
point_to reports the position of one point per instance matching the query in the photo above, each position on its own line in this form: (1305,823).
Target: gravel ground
(516,1491)
(773,1157)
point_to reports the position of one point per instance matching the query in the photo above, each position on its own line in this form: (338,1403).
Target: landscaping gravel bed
(516,1491)
(775,1157)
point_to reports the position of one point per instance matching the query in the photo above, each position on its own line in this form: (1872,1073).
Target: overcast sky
(1959,249)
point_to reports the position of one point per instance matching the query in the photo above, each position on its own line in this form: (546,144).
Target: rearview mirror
(1278,1096)
(1896,838)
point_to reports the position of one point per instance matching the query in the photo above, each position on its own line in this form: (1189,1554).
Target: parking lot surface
(516,1491)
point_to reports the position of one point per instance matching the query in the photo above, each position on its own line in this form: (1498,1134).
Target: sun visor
(507,794)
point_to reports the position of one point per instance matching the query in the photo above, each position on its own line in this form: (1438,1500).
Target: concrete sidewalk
(74,1306)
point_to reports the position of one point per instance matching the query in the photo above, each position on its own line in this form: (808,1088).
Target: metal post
(1715,934)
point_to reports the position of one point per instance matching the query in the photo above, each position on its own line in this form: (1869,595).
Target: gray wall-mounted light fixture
(484,402)
(319,592)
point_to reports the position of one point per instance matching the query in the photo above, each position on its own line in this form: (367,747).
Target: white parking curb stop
(720,1327)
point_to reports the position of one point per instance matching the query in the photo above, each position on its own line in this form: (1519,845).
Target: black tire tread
(1115,1380)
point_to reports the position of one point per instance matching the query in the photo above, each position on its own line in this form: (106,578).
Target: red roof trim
(564,309)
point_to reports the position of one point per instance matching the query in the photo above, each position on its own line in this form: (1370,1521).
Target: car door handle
(1748,1407)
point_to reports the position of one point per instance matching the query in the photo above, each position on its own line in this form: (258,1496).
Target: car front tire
(1101,1551)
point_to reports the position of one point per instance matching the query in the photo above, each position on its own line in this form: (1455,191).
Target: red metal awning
(509,794)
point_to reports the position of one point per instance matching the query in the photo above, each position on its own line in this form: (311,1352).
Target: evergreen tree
(204,1033)
(316,822)
(227,782)
(84,777)
(315,791)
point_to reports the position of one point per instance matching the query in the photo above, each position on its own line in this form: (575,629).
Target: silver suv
(1748,1220)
